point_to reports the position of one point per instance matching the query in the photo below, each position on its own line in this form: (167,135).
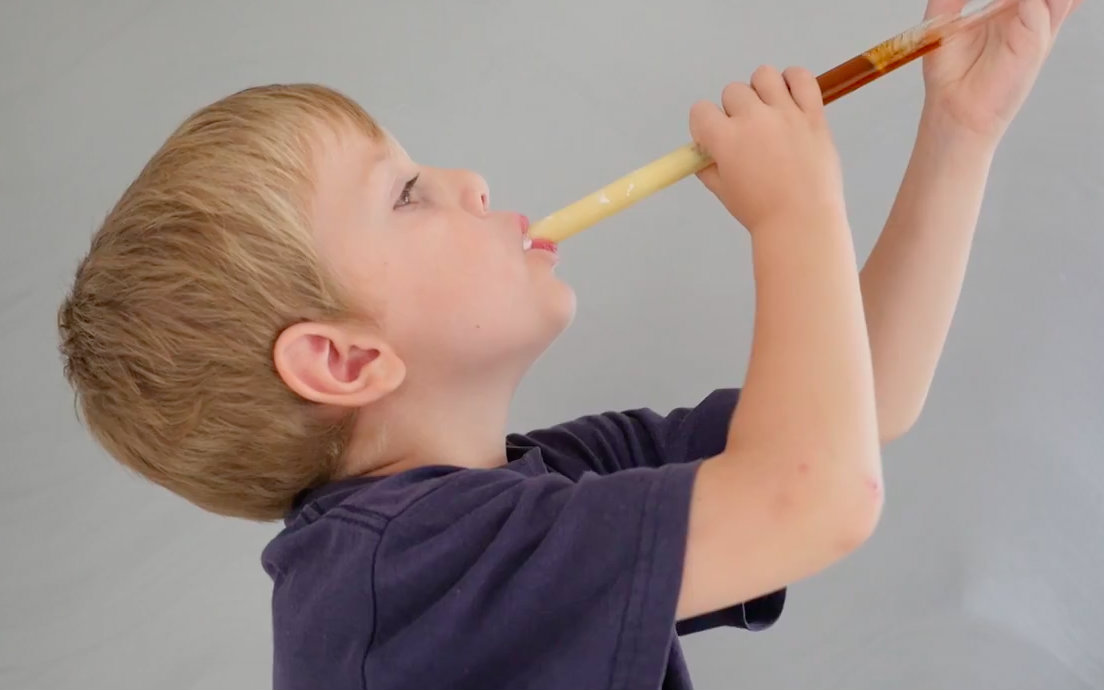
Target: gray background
(983,571)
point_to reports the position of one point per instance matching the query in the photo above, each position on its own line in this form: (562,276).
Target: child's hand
(979,80)
(772,148)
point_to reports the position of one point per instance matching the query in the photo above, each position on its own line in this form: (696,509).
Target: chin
(553,317)
(562,307)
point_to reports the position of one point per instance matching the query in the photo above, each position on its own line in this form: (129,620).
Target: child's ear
(338,365)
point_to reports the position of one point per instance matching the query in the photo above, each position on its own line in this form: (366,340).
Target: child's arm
(798,485)
(912,280)
(913,277)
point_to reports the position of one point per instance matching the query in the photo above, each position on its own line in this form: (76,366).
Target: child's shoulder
(428,496)
(424,523)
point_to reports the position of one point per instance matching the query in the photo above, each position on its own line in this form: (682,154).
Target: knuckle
(734,88)
(801,73)
(699,108)
(703,121)
(764,72)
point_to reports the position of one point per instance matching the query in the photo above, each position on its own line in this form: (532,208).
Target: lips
(546,245)
(531,243)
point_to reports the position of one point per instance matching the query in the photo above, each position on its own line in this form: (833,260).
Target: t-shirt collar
(521,459)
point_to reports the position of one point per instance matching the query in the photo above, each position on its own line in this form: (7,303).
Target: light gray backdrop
(987,569)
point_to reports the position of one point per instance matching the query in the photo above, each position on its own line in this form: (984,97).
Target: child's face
(449,281)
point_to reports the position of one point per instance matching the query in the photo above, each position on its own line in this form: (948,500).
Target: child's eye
(404,196)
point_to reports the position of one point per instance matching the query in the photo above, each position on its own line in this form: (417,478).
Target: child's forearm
(912,279)
(809,393)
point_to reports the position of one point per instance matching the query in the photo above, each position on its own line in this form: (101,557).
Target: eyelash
(404,197)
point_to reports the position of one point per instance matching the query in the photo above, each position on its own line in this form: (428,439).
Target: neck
(462,426)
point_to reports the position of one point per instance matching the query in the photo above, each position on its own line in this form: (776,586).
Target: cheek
(478,263)
(363,274)
(466,282)
(459,281)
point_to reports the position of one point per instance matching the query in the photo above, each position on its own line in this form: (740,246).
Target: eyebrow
(374,169)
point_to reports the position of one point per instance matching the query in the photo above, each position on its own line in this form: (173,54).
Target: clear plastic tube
(834,84)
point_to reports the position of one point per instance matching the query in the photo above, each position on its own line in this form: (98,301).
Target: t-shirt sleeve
(755,615)
(498,579)
(613,441)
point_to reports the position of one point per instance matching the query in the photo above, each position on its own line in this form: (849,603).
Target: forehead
(343,154)
(350,167)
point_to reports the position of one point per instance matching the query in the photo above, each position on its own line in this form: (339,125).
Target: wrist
(805,216)
(946,134)
(800,232)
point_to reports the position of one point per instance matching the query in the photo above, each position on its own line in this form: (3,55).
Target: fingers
(797,88)
(805,90)
(707,123)
(737,97)
(770,86)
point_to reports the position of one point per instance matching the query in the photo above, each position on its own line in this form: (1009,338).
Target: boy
(285,316)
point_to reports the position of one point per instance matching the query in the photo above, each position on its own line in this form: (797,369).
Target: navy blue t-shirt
(560,569)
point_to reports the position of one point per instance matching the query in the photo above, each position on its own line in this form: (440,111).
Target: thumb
(711,178)
(707,125)
(940,7)
(1060,10)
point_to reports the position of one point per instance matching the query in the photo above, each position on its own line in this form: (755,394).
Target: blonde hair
(168,331)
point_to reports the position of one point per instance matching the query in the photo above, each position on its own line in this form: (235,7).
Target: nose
(475,196)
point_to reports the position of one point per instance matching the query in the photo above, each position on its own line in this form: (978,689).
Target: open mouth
(528,243)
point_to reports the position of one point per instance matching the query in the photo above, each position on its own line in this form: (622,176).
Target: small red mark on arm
(874,486)
(803,468)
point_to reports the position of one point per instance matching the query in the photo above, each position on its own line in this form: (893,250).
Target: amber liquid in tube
(834,84)
(906,47)
(862,69)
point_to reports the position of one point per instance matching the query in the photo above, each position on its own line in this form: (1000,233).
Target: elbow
(832,524)
(835,502)
(856,506)
(859,520)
